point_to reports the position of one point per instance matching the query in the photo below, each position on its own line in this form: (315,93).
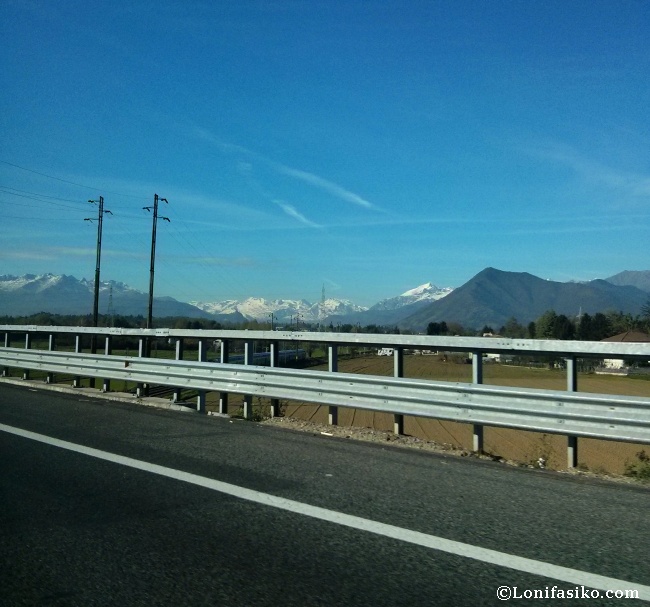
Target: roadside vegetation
(639,468)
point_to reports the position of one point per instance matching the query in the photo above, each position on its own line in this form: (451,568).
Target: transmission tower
(322,297)
(100,220)
(111,311)
(153,254)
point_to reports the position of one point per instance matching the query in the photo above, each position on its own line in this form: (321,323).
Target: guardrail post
(477,367)
(571,374)
(179,356)
(249,349)
(5,370)
(333,365)
(106,384)
(49,378)
(76,380)
(398,371)
(477,378)
(202,357)
(140,389)
(274,354)
(28,345)
(572,386)
(93,350)
(223,396)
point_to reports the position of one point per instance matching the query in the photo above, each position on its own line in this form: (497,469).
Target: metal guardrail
(555,347)
(562,412)
(580,414)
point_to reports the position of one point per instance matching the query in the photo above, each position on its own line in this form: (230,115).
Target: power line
(223,272)
(36,218)
(55,204)
(225,277)
(80,185)
(22,194)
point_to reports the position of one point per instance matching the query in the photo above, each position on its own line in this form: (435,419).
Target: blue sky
(367,146)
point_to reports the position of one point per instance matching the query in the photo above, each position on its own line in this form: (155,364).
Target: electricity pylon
(100,220)
(153,254)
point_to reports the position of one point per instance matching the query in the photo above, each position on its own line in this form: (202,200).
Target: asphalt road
(81,529)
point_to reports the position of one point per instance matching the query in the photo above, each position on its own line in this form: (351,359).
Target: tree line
(551,325)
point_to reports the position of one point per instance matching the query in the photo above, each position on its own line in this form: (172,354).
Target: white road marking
(486,555)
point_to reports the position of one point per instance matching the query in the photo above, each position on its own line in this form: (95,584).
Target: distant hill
(61,294)
(631,278)
(493,296)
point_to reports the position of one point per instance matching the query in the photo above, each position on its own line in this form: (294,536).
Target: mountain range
(285,311)
(61,294)
(489,298)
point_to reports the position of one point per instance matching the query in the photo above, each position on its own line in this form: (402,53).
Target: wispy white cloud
(74,251)
(626,182)
(206,135)
(326,185)
(573,229)
(293,212)
(239,262)
(304,176)
(56,253)
(28,255)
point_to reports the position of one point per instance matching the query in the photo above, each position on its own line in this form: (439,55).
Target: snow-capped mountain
(45,282)
(37,284)
(61,294)
(283,310)
(426,292)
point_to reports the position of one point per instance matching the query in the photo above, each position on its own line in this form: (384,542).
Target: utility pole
(100,220)
(100,223)
(111,311)
(153,254)
(321,310)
